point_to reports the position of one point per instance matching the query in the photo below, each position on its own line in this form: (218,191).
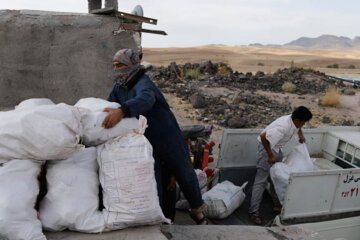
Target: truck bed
(238,176)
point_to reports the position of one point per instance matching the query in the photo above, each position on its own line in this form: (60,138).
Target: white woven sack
(298,160)
(19,188)
(46,132)
(95,134)
(72,199)
(280,174)
(223,199)
(128,181)
(95,104)
(92,118)
(34,102)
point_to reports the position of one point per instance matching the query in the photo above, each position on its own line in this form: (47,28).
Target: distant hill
(321,42)
(267,45)
(215,45)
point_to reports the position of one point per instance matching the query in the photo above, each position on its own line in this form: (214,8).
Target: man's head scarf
(129,58)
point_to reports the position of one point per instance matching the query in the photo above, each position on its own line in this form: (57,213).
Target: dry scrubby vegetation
(223,70)
(288,87)
(193,73)
(331,98)
(335,65)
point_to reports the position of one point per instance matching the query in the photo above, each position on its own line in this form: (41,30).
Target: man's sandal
(195,212)
(201,220)
(255,218)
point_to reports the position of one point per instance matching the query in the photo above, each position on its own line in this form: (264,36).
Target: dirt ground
(348,107)
(249,59)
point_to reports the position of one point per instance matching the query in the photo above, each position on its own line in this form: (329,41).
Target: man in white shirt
(271,141)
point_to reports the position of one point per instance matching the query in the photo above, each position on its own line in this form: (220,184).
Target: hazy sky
(230,22)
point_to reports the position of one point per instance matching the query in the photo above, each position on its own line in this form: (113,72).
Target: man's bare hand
(302,139)
(272,159)
(114,116)
(301,136)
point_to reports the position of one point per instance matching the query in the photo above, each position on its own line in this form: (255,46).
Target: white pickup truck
(326,200)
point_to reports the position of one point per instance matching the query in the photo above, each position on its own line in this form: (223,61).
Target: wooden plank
(136,18)
(153,31)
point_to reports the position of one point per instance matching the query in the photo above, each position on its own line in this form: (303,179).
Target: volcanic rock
(326,120)
(198,100)
(237,122)
(348,91)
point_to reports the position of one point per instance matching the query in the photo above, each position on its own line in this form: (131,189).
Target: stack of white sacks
(39,131)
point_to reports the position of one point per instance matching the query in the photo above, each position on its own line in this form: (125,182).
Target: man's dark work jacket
(141,97)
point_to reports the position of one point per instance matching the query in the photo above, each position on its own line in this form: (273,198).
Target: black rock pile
(240,106)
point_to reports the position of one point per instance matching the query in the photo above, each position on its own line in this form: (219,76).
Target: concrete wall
(60,56)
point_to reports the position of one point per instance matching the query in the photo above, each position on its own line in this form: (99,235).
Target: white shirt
(279,132)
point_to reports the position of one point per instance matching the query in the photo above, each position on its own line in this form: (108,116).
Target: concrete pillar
(94,4)
(111,4)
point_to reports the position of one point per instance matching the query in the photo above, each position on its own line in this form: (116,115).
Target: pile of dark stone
(307,81)
(242,108)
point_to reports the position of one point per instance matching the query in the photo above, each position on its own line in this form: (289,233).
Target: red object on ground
(206,155)
(209,172)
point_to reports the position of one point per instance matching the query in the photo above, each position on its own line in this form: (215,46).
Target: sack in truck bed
(298,160)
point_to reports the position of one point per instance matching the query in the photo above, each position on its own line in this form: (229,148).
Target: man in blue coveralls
(138,95)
